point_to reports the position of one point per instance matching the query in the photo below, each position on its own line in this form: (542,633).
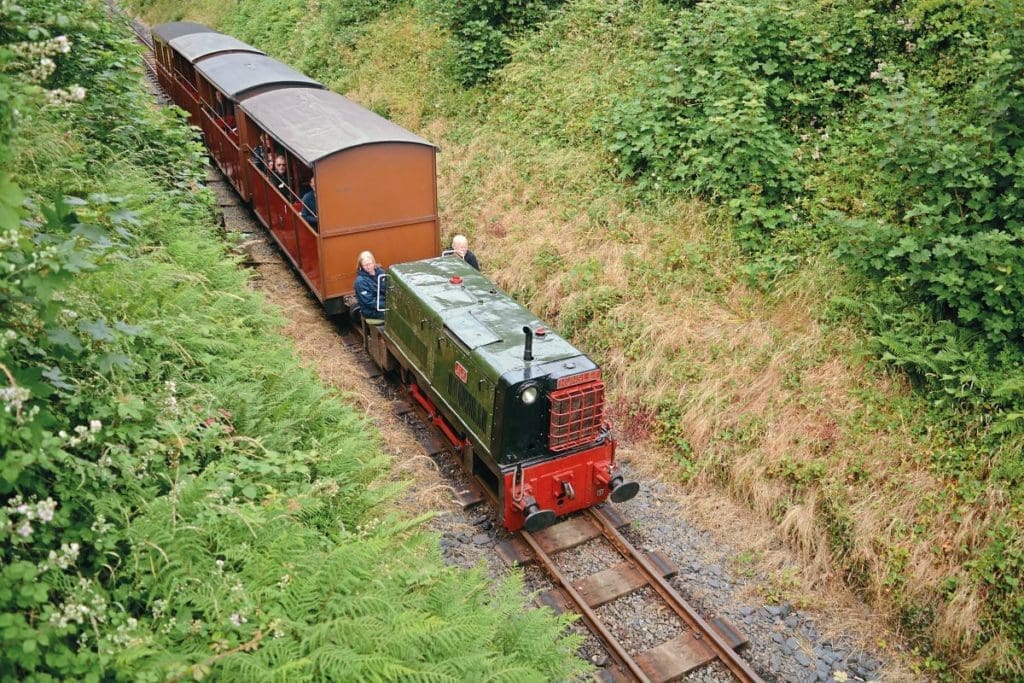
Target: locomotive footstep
(469,496)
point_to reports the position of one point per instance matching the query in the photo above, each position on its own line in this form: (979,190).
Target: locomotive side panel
(459,377)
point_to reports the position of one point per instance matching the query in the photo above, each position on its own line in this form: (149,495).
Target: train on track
(523,408)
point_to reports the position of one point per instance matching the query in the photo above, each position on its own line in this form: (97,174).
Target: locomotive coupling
(623,490)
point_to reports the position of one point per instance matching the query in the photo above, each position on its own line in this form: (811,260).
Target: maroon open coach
(225,80)
(376,186)
(179,46)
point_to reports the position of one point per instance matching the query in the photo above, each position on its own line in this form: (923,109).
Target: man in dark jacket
(309,206)
(371,291)
(460,245)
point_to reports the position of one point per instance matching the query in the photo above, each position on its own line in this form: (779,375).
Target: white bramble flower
(238,619)
(25,530)
(45,509)
(67,557)
(95,426)
(14,398)
(63,44)
(100,526)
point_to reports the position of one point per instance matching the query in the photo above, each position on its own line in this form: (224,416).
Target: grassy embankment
(182,499)
(736,353)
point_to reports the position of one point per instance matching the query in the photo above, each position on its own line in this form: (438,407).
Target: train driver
(460,245)
(309,205)
(371,289)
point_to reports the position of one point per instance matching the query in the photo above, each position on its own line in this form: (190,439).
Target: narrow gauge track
(703,643)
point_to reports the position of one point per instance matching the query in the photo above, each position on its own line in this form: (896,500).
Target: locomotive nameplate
(461,372)
(578,379)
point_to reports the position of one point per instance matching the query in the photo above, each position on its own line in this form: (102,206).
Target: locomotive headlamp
(529,395)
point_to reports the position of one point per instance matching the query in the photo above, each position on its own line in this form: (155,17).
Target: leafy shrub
(951,237)
(737,88)
(481,30)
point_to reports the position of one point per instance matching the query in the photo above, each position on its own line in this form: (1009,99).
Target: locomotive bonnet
(526,408)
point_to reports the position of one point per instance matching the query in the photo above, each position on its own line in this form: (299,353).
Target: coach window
(186,72)
(224,109)
(264,152)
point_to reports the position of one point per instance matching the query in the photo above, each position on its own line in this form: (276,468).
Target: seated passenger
(460,245)
(262,152)
(309,206)
(369,288)
(280,175)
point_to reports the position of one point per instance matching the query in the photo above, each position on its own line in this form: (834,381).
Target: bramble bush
(482,29)
(727,110)
(888,135)
(949,239)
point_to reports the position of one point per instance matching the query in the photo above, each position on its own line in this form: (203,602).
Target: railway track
(699,644)
(148,58)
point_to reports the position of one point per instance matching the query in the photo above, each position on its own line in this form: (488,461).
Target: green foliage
(482,29)
(737,87)
(919,110)
(951,241)
(1001,567)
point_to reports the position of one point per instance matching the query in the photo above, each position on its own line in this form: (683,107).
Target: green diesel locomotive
(523,406)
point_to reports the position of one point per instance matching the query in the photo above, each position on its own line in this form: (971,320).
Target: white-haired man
(460,245)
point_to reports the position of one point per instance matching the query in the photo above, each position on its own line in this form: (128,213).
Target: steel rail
(593,621)
(736,664)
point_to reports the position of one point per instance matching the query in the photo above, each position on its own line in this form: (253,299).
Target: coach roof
(238,72)
(175,29)
(193,46)
(314,124)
